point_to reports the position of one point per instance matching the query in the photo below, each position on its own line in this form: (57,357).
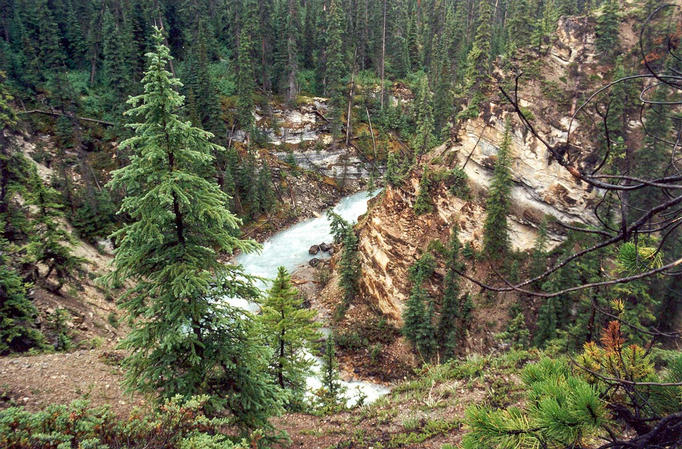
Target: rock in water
(314,250)
(324,247)
(314,262)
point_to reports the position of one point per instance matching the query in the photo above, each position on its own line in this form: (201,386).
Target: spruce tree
(392,175)
(291,332)
(478,58)
(331,393)
(349,266)
(607,35)
(336,65)
(423,204)
(418,316)
(50,244)
(185,338)
(17,312)
(246,73)
(496,229)
(448,331)
(423,138)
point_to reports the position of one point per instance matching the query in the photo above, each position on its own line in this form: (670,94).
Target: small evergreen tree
(423,204)
(349,266)
(17,312)
(418,316)
(331,393)
(449,323)
(607,35)
(291,331)
(50,244)
(393,175)
(185,339)
(495,229)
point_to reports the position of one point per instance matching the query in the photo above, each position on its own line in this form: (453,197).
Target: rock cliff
(392,236)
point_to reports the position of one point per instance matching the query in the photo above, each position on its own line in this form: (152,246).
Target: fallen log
(59,114)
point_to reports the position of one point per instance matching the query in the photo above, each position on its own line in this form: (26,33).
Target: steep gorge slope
(392,236)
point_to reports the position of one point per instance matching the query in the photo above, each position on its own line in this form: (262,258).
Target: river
(289,248)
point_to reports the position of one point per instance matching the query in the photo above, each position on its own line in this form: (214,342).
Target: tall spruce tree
(291,332)
(246,73)
(423,138)
(336,65)
(17,312)
(607,36)
(496,229)
(185,339)
(478,59)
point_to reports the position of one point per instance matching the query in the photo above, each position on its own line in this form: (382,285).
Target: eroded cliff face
(392,236)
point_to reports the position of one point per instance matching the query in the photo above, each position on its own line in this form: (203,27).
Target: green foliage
(291,331)
(50,244)
(349,264)
(562,410)
(423,138)
(455,309)
(516,334)
(330,396)
(423,204)
(176,424)
(17,312)
(495,229)
(460,186)
(246,72)
(418,316)
(607,39)
(169,252)
(477,62)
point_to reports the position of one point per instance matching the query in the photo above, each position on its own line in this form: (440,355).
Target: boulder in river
(314,262)
(324,247)
(314,250)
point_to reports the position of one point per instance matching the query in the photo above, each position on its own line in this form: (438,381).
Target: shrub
(175,425)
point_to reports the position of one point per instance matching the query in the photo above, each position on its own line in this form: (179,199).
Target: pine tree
(266,196)
(185,339)
(563,409)
(495,229)
(291,331)
(115,69)
(202,96)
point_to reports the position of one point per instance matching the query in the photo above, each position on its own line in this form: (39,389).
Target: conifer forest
(335,224)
